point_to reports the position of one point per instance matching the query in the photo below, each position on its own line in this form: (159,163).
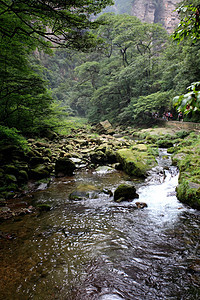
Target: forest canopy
(65,23)
(104,66)
(27,26)
(135,72)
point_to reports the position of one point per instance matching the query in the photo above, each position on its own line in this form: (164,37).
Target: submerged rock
(44,206)
(125,192)
(84,191)
(104,169)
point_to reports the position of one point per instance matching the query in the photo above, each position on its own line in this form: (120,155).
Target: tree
(189,102)
(189,26)
(27,26)
(126,64)
(61,22)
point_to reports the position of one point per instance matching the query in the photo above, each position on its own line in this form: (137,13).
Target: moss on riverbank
(187,158)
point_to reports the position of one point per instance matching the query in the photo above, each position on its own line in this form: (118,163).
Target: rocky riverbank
(133,151)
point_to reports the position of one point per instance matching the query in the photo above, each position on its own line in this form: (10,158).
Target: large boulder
(64,167)
(104,128)
(125,192)
(135,162)
(98,157)
(188,192)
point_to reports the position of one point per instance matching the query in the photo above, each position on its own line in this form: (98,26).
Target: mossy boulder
(189,193)
(10,178)
(125,192)
(135,162)
(111,156)
(36,160)
(98,157)
(140,147)
(44,207)
(188,161)
(64,167)
(22,176)
(40,171)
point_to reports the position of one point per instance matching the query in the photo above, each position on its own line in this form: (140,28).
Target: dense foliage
(189,28)
(136,71)
(133,70)
(27,26)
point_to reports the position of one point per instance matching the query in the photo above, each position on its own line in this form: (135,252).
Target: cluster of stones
(58,157)
(62,155)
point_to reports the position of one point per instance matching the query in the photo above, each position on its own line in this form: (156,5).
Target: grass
(70,123)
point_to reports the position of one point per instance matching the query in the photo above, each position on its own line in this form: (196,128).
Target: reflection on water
(98,249)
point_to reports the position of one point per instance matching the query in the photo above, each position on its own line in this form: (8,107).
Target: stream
(95,248)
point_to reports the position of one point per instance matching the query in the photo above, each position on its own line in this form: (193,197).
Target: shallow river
(98,249)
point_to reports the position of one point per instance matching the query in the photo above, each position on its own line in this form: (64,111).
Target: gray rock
(104,128)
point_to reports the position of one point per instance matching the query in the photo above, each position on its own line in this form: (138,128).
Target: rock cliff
(156,11)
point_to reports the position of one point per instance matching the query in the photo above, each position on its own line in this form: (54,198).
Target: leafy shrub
(12,136)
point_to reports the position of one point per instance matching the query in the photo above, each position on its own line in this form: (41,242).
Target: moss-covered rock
(22,176)
(11,169)
(135,162)
(125,192)
(140,147)
(189,193)
(44,207)
(111,156)
(36,160)
(39,172)
(187,159)
(98,157)
(10,178)
(64,167)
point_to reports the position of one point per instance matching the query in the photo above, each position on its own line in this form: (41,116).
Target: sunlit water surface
(98,249)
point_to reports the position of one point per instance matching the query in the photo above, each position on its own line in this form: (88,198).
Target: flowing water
(98,249)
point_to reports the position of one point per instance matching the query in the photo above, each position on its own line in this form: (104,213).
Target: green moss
(10,178)
(125,192)
(188,160)
(189,192)
(140,147)
(135,163)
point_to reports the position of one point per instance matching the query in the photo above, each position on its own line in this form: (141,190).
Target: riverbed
(95,248)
